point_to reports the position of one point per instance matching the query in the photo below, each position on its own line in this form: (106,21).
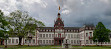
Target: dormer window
(90,28)
(86,27)
(47,30)
(74,30)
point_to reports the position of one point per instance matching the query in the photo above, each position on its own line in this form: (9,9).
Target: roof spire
(59,13)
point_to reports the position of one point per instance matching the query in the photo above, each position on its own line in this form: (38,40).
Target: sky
(74,13)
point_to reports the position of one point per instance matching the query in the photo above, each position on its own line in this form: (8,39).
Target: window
(62,35)
(43,41)
(74,30)
(33,40)
(16,40)
(47,30)
(12,40)
(72,41)
(40,35)
(40,41)
(52,41)
(59,35)
(71,30)
(86,34)
(68,35)
(44,30)
(78,41)
(49,41)
(50,35)
(9,41)
(86,27)
(90,34)
(90,28)
(71,35)
(56,35)
(29,41)
(50,30)
(86,41)
(44,35)
(77,35)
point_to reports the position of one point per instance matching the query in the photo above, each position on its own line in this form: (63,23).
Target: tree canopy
(23,24)
(3,25)
(101,33)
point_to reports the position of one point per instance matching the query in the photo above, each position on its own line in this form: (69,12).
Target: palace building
(55,35)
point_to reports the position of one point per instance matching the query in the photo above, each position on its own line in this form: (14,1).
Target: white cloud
(65,11)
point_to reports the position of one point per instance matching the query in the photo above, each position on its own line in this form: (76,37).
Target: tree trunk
(20,40)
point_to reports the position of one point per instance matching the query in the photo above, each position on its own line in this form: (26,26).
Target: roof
(45,28)
(89,25)
(59,21)
(67,28)
(72,28)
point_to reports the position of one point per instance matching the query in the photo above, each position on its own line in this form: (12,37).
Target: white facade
(47,38)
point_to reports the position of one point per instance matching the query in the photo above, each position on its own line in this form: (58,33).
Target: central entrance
(58,41)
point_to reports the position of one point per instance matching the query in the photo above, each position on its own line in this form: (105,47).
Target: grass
(49,47)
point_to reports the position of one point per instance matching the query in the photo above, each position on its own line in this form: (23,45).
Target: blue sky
(75,13)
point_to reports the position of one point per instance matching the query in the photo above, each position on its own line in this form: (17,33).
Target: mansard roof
(45,28)
(72,28)
(51,28)
(89,25)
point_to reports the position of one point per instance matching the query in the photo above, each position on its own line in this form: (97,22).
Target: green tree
(23,24)
(3,26)
(101,34)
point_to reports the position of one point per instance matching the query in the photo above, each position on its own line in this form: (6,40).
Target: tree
(101,34)
(3,26)
(23,24)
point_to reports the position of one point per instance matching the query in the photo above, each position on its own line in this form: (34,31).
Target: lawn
(50,47)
